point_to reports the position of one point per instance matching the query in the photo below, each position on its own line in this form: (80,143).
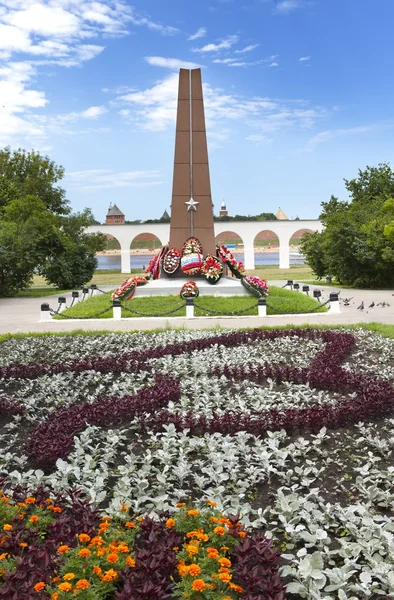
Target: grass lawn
(278,300)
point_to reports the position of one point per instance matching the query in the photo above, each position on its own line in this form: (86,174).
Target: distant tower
(280,215)
(165,216)
(223,210)
(114,216)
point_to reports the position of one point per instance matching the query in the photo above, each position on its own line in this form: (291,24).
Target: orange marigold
(55,509)
(212,553)
(84,537)
(84,552)
(97,570)
(235,587)
(130,561)
(39,586)
(97,541)
(180,504)
(124,508)
(191,549)
(23,544)
(82,584)
(129,524)
(224,562)
(7,527)
(30,500)
(199,585)
(33,519)
(226,577)
(55,596)
(170,523)
(4,555)
(242,534)
(49,501)
(193,512)
(68,576)
(211,503)
(63,548)
(65,587)
(193,570)
(22,504)
(109,575)
(112,557)
(123,548)
(219,530)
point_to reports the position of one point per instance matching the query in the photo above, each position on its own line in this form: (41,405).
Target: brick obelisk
(191,208)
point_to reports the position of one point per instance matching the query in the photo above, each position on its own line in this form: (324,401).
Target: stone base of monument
(226,286)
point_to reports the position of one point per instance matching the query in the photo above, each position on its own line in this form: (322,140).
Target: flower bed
(290,429)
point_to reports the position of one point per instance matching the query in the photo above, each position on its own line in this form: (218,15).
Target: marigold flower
(123,548)
(224,570)
(97,570)
(129,524)
(191,549)
(224,562)
(84,537)
(170,523)
(4,555)
(55,509)
(226,577)
(180,504)
(103,527)
(212,553)
(112,557)
(65,587)
(63,548)
(224,548)
(106,519)
(130,561)
(97,541)
(235,587)
(82,584)
(214,520)
(84,552)
(55,596)
(193,570)
(23,544)
(49,501)
(227,598)
(219,530)
(211,503)
(33,519)
(195,543)
(193,512)
(39,586)
(22,504)
(242,534)
(199,585)
(68,576)
(109,575)
(100,551)
(124,508)
(30,500)
(7,527)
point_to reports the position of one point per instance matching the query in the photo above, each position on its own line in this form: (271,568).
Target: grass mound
(279,301)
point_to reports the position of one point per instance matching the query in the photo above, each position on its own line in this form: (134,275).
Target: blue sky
(299,94)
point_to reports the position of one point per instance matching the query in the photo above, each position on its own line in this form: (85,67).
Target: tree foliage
(357,243)
(38,232)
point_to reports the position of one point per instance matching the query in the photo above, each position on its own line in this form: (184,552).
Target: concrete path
(21,315)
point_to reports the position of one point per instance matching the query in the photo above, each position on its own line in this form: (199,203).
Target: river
(139,262)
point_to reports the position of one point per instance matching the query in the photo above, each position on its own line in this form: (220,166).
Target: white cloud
(326,136)
(273,64)
(304,58)
(93,112)
(225,61)
(259,139)
(247,49)
(200,33)
(45,20)
(154,109)
(223,45)
(286,6)
(237,64)
(170,63)
(99,179)
(147,22)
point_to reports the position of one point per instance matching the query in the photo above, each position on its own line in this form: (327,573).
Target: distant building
(280,215)
(165,215)
(114,216)
(223,210)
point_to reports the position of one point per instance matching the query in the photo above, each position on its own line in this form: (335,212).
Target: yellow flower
(170,523)
(4,555)
(7,527)
(199,585)
(191,549)
(82,584)
(224,562)
(193,512)
(109,575)
(130,561)
(224,577)
(39,586)
(55,596)
(65,587)
(68,576)
(84,537)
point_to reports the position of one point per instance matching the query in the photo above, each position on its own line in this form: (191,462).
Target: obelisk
(191,208)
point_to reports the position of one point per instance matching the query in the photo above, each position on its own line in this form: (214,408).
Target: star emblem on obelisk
(191,205)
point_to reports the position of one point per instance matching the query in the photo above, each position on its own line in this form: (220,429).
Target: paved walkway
(21,315)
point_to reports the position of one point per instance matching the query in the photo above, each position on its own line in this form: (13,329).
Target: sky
(299,95)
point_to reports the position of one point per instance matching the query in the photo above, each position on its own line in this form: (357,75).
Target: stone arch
(113,243)
(229,237)
(295,238)
(146,241)
(266,241)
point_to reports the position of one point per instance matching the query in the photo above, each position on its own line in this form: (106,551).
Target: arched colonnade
(246,230)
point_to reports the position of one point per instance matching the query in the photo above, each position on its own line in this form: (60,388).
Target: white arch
(247,231)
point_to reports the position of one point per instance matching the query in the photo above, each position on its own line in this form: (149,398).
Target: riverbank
(150,251)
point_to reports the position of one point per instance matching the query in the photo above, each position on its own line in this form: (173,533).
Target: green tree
(38,232)
(357,244)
